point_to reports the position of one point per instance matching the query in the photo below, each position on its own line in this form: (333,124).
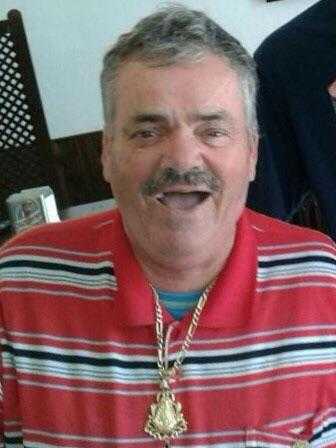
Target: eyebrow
(219,115)
(149,117)
(158,117)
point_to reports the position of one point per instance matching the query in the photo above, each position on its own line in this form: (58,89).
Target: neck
(183,273)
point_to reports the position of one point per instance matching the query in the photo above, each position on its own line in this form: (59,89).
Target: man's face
(332,89)
(178,156)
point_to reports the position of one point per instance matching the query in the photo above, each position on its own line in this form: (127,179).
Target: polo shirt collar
(229,302)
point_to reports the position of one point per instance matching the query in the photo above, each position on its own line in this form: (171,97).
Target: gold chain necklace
(166,420)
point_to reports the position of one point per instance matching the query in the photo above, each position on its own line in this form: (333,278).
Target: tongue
(183,201)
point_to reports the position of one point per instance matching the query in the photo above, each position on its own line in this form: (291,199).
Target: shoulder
(296,269)
(73,234)
(71,259)
(286,248)
(304,30)
(274,231)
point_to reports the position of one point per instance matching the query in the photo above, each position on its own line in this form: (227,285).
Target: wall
(68,38)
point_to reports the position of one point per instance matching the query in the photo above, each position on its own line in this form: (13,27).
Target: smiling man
(181,318)
(179,157)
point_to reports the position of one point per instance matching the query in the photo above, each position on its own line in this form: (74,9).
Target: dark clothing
(297,121)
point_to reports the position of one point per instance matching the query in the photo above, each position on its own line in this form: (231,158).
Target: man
(182,318)
(297,72)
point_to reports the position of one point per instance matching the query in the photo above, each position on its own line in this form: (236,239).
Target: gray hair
(172,35)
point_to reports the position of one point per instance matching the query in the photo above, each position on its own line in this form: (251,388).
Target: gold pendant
(166,420)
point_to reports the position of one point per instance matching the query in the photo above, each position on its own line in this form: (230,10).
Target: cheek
(235,178)
(233,169)
(128,174)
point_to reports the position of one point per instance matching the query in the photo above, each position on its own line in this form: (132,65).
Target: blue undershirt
(179,303)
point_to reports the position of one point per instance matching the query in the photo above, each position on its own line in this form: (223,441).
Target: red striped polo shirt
(79,355)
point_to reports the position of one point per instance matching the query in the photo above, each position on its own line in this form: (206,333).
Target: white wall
(68,38)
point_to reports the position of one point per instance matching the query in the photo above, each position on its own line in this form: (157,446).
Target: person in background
(180,318)
(297,160)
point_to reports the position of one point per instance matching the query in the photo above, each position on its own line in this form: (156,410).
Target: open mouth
(182,200)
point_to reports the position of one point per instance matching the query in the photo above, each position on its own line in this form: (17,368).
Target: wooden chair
(26,158)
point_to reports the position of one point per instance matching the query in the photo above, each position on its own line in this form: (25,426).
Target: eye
(147,135)
(215,133)
(143,134)
(214,136)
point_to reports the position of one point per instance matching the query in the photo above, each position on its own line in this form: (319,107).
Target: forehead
(187,88)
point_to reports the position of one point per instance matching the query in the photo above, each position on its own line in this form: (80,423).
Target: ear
(253,157)
(105,158)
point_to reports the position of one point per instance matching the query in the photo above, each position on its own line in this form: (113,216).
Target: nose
(181,151)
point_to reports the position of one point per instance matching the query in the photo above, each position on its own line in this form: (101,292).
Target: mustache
(170,176)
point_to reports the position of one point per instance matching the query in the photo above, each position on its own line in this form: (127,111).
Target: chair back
(26,158)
